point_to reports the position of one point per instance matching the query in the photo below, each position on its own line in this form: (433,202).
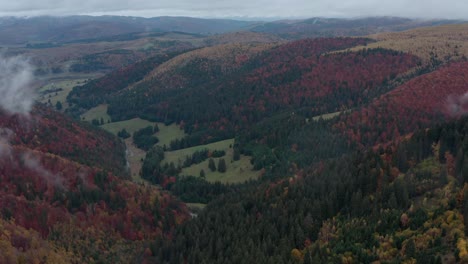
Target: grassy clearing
(165,135)
(330,115)
(237,171)
(97,112)
(54,97)
(134,154)
(131,125)
(168,133)
(178,156)
(326,116)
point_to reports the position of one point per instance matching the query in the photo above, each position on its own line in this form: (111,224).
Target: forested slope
(363,207)
(65,196)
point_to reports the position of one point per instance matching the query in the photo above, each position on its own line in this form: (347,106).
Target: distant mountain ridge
(335,27)
(17,31)
(49,29)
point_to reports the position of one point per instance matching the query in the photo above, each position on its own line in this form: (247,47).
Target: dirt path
(134,158)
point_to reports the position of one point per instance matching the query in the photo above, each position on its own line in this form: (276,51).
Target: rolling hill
(421,102)
(289,76)
(64,185)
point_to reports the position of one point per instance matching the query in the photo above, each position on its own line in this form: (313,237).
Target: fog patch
(5,148)
(31,162)
(457,105)
(16,93)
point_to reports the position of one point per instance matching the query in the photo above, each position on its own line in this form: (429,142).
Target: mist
(17,97)
(458,105)
(16,76)
(5,148)
(33,163)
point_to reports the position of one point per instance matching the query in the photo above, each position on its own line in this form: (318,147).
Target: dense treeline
(192,189)
(60,135)
(419,103)
(188,188)
(144,138)
(47,193)
(291,140)
(99,91)
(321,213)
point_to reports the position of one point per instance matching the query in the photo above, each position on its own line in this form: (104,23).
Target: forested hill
(406,202)
(50,132)
(214,103)
(66,197)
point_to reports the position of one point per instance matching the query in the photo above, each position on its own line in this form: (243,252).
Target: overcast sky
(455,9)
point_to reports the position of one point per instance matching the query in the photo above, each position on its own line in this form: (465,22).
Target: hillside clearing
(327,116)
(97,113)
(47,92)
(178,156)
(169,133)
(135,155)
(237,171)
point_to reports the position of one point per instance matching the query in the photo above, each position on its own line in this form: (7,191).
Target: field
(178,156)
(237,171)
(135,155)
(97,112)
(165,135)
(131,125)
(54,97)
(327,116)
(168,133)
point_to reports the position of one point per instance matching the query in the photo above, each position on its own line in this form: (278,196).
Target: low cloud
(5,136)
(16,93)
(457,105)
(33,163)
(17,97)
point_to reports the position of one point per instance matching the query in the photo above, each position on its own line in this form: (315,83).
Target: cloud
(453,9)
(457,105)
(16,93)
(5,136)
(34,164)
(17,97)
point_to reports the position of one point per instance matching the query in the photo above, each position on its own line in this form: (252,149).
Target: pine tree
(236,154)
(58,105)
(211,165)
(222,165)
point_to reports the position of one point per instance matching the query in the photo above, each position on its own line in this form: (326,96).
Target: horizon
(245,9)
(235,18)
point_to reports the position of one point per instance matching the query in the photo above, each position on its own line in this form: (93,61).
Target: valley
(185,140)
